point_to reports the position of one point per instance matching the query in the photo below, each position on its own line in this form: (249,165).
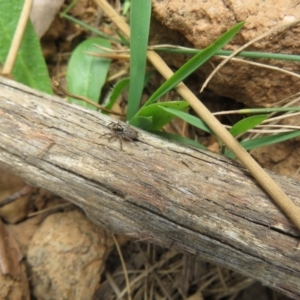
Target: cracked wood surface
(178,197)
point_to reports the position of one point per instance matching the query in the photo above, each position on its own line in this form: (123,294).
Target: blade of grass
(269,140)
(265,141)
(260,110)
(267,110)
(188,118)
(141,122)
(248,54)
(246,124)
(194,63)
(159,116)
(69,7)
(91,29)
(116,92)
(179,139)
(126,7)
(140,23)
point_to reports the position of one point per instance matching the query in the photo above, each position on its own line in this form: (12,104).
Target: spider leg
(111,137)
(127,139)
(104,134)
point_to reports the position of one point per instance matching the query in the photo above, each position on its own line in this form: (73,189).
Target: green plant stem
(70,6)
(86,26)
(246,54)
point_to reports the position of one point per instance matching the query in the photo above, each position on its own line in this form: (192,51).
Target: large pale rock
(202,22)
(67,254)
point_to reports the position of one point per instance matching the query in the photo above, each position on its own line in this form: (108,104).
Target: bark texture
(191,200)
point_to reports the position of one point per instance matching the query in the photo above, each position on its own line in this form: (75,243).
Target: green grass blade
(141,122)
(269,140)
(248,54)
(30,67)
(69,7)
(139,27)
(195,62)
(116,92)
(268,110)
(159,116)
(92,29)
(246,124)
(179,139)
(189,119)
(266,141)
(86,74)
(126,7)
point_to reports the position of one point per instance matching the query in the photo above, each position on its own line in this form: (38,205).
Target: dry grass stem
(123,266)
(275,30)
(160,272)
(84,99)
(17,39)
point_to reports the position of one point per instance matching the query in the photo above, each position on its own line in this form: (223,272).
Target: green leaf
(159,116)
(30,67)
(92,29)
(246,124)
(248,54)
(189,119)
(123,39)
(126,7)
(139,26)
(116,92)
(86,74)
(268,110)
(194,63)
(179,139)
(141,122)
(266,141)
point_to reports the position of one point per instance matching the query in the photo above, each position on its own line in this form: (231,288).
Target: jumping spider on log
(121,132)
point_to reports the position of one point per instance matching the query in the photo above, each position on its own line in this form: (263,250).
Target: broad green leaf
(86,74)
(246,124)
(266,141)
(194,63)
(189,119)
(139,27)
(179,139)
(141,122)
(30,67)
(159,116)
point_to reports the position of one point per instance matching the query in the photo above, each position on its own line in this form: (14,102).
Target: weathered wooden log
(178,197)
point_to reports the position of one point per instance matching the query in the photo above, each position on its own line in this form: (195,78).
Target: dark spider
(123,133)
